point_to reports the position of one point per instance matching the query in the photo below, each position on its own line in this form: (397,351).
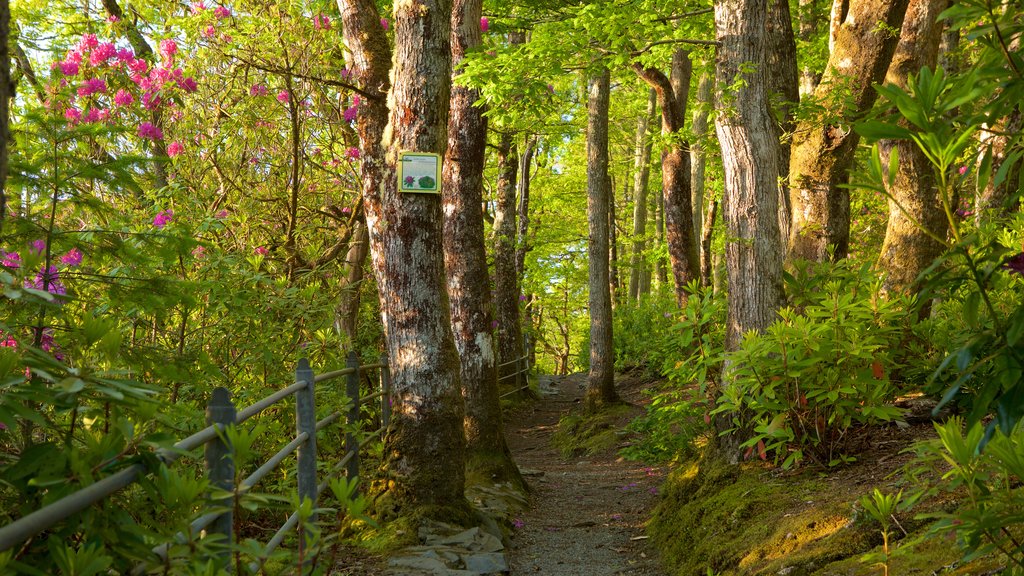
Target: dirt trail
(588,512)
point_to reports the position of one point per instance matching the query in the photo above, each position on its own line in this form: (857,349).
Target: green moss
(582,433)
(748,520)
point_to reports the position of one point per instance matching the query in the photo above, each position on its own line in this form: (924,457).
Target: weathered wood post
(385,386)
(305,421)
(352,391)
(220,469)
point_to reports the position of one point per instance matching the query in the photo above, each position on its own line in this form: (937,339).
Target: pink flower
(322,22)
(93,115)
(73,115)
(168,48)
(123,98)
(346,210)
(175,148)
(138,66)
(221,215)
(113,19)
(102,53)
(225,38)
(125,55)
(162,218)
(282,96)
(384,23)
(10,259)
(92,86)
(262,250)
(350,113)
(48,280)
(198,7)
(72,258)
(484,24)
(68,68)
(38,247)
(209,32)
(187,84)
(88,42)
(199,251)
(150,132)
(258,90)
(221,12)
(352,153)
(963,170)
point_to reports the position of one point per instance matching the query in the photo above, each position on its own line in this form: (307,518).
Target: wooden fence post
(220,469)
(305,421)
(385,387)
(352,391)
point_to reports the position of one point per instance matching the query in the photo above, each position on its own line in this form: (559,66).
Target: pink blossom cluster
(352,111)
(322,22)
(162,218)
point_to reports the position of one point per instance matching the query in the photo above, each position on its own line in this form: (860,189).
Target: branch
(686,15)
(675,41)
(326,81)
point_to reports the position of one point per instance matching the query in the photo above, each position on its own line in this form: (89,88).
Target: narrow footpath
(587,513)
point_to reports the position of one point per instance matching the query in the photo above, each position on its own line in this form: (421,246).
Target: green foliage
(800,389)
(989,518)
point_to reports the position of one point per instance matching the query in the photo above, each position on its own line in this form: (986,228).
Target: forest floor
(587,512)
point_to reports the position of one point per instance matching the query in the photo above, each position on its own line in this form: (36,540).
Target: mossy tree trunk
(425,446)
(601,378)
(784,93)
(640,272)
(466,263)
(672,92)
(506,280)
(698,160)
(907,250)
(862,41)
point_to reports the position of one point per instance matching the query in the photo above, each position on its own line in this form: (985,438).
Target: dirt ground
(588,513)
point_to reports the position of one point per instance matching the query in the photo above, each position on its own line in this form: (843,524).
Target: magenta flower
(150,132)
(346,210)
(350,113)
(125,55)
(94,115)
(209,32)
(262,250)
(48,280)
(409,180)
(72,258)
(138,66)
(175,148)
(92,86)
(38,247)
(68,68)
(199,252)
(384,23)
(321,22)
(113,19)
(162,218)
(221,12)
(189,84)
(352,153)
(962,170)
(517,523)
(10,259)
(484,24)
(73,115)
(88,42)
(168,48)
(102,53)
(257,90)
(1015,264)
(123,98)
(221,215)
(198,7)
(282,96)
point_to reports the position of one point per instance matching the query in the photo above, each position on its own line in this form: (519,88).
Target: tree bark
(425,446)
(705,246)
(698,158)
(506,279)
(672,93)
(487,454)
(613,247)
(784,91)
(523,208)
(347,313)
(601,378)
(745,129)
(808,16)
(823,150)
(907,250)
(6,91)
(640,273)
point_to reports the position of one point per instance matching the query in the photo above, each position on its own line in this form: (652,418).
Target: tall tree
(6,89)
(601,379)
(425,446)
(506,279)
(640,273)
(913,196)
(784,91)
(672,91)
(753,251)
(861,46)
(465,257)
(698,155)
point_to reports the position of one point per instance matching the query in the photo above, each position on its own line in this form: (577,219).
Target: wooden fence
(220,464)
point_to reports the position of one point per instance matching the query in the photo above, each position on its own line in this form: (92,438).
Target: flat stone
(429,565)
(492,563)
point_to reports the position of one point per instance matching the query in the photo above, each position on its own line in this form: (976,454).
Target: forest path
(587,513)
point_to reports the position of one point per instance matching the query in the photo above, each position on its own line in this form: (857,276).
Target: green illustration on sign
(419,172)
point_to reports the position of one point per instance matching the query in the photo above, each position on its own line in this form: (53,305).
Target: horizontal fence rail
(219,457)
(522,368)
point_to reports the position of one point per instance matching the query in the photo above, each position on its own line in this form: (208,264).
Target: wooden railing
(220,463)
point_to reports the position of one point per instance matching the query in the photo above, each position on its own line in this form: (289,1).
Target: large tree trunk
(506,280)
(424,447)
(6,90)
(698,155)
(745,129)
(907,250)
(601,379)
(675,170)
(784,91)
(523,207)
(823,149)
(347,313)
(640,273)
(613,247)
(487,454)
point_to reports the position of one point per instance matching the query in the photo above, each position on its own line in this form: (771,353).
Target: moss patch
(581,433)
(749,519)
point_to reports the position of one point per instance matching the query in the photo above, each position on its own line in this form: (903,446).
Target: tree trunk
(347,313)
(465,257)
(808,29)
(523,208)
(823,149)
(613,248)
(6,91)
(784,91)
(601,379)
(698,155)
(907,250)
(675,170)
(661,265)
(425,446)
(705,246)
(506,280)
(640,273)
(753,251)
